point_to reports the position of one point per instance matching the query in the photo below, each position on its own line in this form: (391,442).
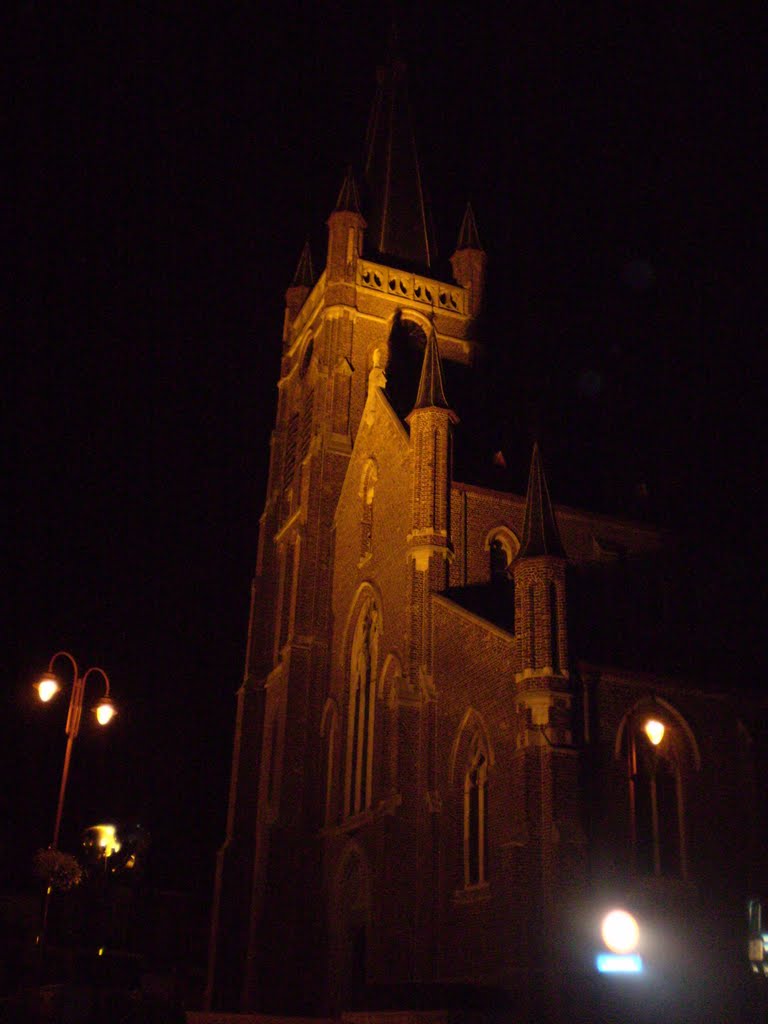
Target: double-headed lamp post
(105,710)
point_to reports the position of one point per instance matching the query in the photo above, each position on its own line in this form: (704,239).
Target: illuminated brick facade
(432,782)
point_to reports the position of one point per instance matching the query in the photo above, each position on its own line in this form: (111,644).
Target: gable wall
(475,511)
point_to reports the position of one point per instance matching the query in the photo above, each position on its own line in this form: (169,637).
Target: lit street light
(654,730)
(47,688)
(105,710)
(621,935)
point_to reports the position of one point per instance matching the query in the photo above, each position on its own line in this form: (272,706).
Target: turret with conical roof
(539,573)
(469,261)
(431,393)
(345,233)
(430,548)
(298,290)
(540,533)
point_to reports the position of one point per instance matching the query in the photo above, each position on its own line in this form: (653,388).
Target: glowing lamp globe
(654,730)
(105,711)
(620,932)
(47,688)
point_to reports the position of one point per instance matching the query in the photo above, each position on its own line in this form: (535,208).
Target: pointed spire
(304,276)
(349,197)
(468,235)
(431,393)
(540,533)
(396,209)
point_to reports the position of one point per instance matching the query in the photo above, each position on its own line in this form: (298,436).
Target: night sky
(169,162)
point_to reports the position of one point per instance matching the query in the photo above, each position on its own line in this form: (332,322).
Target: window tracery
(475,814)
(362,708)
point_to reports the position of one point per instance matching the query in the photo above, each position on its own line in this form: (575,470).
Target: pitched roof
(468,235)
(304,276)
(540,533)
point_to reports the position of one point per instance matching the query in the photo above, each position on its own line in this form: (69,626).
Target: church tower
(434,771)
(339,335)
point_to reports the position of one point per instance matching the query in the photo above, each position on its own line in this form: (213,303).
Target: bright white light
(654,730)
(610,963)
(105,712)
(47,688)
(620,932)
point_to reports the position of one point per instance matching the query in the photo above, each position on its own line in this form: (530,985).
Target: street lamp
(105,710)
(654,730)
(620,933)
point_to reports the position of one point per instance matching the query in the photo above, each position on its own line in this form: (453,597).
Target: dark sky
(169,163)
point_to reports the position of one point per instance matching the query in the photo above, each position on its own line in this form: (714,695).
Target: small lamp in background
(654,730)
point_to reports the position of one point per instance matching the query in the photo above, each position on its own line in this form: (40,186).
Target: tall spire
(431,394)
(304,276)
(398,217)
(468,234)
(540,533)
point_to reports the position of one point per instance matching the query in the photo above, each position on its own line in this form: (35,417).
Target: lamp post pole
(105,710)
(73,726)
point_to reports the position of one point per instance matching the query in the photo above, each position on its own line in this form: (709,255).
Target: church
(454,748)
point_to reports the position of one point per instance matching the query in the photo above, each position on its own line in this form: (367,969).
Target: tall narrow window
(532,625)
(362,707)
(475,815)
(554,627)
(656,797)
(328,732)
(290,449)
(272,770)
(341,393)
(367,490)
(306,423)
(499,561)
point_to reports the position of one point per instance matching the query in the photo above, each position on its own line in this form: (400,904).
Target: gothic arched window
(502,547)
(476,814)
(499,561)
(362,708)
(660,752)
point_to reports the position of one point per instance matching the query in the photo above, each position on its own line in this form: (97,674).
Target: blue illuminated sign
(613,963)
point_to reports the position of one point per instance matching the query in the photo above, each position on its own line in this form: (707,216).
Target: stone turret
(346,227)
(469,260)
(540,611)
(430,550)
(298,290)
